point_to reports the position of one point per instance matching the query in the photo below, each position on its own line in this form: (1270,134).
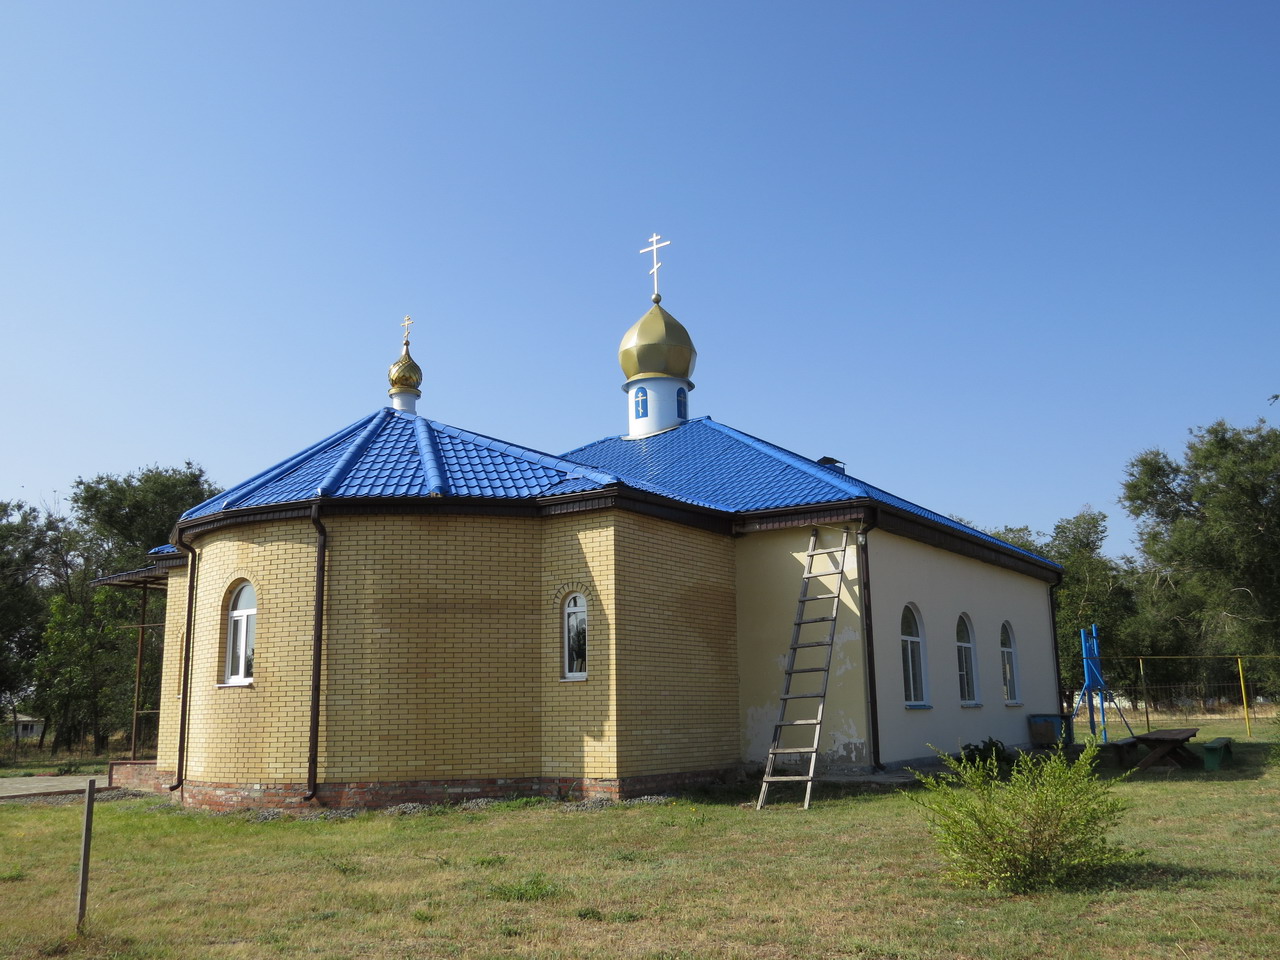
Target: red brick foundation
(138,775)
(203,795)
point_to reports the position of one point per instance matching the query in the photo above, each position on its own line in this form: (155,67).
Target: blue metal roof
(391,454)
(711,465)
(700,462)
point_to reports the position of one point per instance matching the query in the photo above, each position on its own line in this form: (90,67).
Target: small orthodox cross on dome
(653,248)
(406,323)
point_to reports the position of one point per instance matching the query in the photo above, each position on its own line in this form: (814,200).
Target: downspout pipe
(317,650)
(864,583)
(181,765)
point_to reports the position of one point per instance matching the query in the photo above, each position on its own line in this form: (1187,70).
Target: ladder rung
(820,596)
(815,573)
(772,779)
(777,750)
(812,643)
(797,723)
(816,620)
(824,550)
(802,696)
(807,670)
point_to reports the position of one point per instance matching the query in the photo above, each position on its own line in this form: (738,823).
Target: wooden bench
(1215,751)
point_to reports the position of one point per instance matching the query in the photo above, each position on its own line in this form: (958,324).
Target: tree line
(67,649)
(1204,580)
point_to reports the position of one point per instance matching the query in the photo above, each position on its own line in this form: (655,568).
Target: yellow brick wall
(175,615)
(256,732)
(432,633)
(443,650)
(677,667)
(579,723)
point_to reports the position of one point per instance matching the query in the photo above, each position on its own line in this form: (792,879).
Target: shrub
(989,748)
(1045,826)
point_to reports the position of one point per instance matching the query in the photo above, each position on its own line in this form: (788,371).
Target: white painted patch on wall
(848,748)
(848,642)
(759,733)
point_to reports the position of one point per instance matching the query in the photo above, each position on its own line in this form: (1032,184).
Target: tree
(132,514)
(1094,588)
(85,668)
(1210,533)
(21,603)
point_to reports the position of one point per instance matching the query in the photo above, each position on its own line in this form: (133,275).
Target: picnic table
(1168,747)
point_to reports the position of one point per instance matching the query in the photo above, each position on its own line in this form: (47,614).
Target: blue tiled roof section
(389,454)
(711,465)
(162,550)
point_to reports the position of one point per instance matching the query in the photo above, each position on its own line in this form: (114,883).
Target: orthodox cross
(653,248)
(406,324)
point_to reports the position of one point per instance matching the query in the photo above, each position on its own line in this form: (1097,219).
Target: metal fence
(1165,689)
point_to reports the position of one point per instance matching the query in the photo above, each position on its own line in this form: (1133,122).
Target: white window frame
(915,671)
(1009,664)
(966,661)
(573,617)
(241,634)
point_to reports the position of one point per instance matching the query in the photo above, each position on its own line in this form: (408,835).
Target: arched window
(682,403)
(912,658)
(575,637)
(1008,663)
(242,616)
(642,403)
(966,662)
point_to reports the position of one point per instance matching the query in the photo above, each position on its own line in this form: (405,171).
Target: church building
(409,611)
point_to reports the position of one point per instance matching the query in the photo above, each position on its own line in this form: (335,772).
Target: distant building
(27,728)
(406,610)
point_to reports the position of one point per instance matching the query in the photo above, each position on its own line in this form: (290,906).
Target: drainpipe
(317,637)
(180,771)
(864,582)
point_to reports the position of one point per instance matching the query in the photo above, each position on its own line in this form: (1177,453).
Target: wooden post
(85,841)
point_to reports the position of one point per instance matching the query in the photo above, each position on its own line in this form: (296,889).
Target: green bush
(989,748)
(1043,826)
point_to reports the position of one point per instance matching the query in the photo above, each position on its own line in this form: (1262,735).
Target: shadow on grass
(1248,761)
(1151,875)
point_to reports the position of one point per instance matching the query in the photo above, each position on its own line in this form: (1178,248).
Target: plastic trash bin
(1045,729)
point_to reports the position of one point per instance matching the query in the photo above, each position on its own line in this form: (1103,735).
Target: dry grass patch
(707,880)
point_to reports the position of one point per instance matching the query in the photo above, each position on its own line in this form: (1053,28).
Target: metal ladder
(812,641)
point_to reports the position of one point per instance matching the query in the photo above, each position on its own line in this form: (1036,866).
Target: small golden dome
(657,345)
(405,374)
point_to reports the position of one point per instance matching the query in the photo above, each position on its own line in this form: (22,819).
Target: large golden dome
(657,345)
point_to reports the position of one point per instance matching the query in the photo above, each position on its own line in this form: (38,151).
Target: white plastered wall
(943,585)
(769,568)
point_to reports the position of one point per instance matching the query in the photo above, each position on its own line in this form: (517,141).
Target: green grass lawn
(706,877)
(42,766)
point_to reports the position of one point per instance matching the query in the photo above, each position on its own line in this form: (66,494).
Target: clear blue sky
(983,252)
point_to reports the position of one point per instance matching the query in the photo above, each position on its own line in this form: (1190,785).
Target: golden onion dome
(405,374)
(657,345)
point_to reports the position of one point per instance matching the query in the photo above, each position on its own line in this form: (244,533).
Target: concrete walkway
(11,787)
